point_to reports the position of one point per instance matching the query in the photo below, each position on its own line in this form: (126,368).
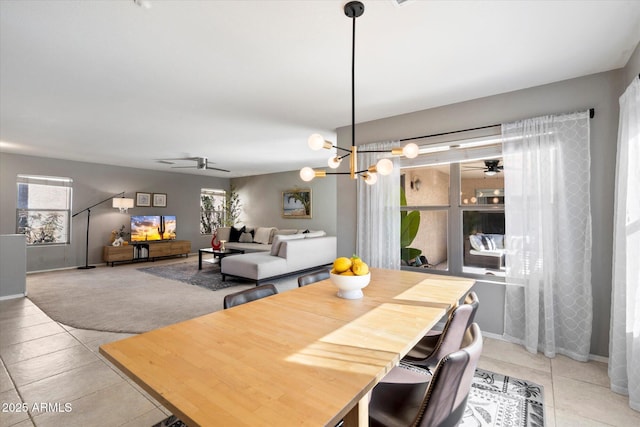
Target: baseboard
(13,296)
(593,357)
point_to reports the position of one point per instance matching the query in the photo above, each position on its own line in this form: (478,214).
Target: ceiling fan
(491,168)
(201,163)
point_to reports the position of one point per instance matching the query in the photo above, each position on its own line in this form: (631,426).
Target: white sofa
(487,253)
(259,239)
(289,254)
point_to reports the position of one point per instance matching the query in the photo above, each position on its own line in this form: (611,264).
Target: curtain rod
(592,113)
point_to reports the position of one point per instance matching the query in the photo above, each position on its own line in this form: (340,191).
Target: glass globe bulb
(334,162)
(384,166)
(307,174)
(410,150)
(316,142)
(371,178)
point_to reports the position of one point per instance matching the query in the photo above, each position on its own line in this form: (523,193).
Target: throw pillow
(234,234)
(246,238)
(487,243)
(476,242)
(262,235)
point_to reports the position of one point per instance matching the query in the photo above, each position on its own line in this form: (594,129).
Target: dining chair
(435,345)
(410,398)
(310,278)
(248,295)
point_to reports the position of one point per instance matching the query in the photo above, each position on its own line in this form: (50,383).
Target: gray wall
(261,198)
(600,91)
(93,183)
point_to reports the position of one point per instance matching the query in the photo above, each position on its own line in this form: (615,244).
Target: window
(44,209)
(212,209)
(457,189)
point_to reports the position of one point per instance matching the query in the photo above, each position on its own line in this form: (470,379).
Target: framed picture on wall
(296,204)
(143,199)
(160,200)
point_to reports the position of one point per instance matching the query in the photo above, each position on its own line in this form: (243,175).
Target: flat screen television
(149,227)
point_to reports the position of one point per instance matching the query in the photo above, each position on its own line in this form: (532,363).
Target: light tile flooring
(44,362)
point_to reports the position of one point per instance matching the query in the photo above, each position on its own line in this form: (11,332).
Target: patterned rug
(500,400)
(209,277)
(495,400)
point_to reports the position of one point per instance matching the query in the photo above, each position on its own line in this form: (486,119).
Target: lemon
(347,273)
(360,268)
(341,264)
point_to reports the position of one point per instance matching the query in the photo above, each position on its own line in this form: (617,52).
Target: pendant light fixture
(384,166)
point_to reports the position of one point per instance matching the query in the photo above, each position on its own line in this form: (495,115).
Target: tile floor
(46,362)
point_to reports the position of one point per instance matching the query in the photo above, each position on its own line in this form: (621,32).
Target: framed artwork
(296,204)
(143,199)
(160,200)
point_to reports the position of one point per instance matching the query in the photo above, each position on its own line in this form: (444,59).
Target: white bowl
(350,287)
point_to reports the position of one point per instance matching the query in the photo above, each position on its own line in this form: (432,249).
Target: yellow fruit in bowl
(360,268)
(347,273)
(342,264)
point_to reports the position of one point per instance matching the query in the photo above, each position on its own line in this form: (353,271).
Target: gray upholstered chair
(410,398)
(435,345)
(248,295)
(310,278)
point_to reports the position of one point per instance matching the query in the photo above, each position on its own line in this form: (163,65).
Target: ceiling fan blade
(166,162)
(217,169)
(183,167)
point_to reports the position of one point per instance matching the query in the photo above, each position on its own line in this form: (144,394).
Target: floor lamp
(86,265)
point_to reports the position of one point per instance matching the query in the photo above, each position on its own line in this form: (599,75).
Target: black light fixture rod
(353,9)
(353,83)
(86,265)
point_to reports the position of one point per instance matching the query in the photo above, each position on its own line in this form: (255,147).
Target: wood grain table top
(302,357)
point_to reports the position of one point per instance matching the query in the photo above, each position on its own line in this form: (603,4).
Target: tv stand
(146,251)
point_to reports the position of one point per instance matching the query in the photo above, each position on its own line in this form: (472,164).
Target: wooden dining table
(301,357)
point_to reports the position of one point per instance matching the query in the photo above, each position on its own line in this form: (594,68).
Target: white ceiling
(244,83)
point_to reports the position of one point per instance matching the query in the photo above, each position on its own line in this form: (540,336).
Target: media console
(145,251)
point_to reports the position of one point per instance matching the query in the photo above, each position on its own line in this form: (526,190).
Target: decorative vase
(215,243)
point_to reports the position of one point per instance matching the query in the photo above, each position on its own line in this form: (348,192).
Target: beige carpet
(123,299)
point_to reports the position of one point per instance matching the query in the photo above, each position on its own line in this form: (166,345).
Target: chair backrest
(454,330)
(446,397)
(310,278)
(248,295)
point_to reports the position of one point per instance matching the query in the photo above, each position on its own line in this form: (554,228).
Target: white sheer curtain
(548,305)
(624,339)
(378,234)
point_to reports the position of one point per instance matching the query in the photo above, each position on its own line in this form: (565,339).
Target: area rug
(500,400)
(494,400)
(121,298)
(187,272)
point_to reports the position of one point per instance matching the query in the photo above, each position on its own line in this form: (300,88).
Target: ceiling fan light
(490,173)
(384,166)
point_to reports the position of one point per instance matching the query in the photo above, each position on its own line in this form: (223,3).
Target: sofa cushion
(279,238)
(285,232)
(254,266)
(246,238)
(223,233)
(263,234)
(313,234)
